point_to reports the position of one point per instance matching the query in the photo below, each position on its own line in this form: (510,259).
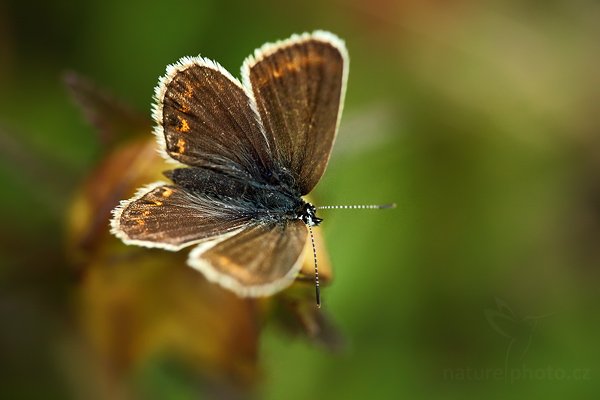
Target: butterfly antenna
(317,289)
(360,206)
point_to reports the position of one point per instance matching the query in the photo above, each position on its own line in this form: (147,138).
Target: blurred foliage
(478,118)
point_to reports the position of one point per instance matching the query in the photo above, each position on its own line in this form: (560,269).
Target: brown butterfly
(250,150)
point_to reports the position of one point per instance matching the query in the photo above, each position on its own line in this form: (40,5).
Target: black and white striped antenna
(359,207)
(317,288)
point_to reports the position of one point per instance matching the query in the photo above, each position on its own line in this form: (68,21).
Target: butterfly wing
(204,118)
(171,218)
(248,257)
(281,122)
(258,260)
(298,87)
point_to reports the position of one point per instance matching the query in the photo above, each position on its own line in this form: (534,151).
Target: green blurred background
(479,119)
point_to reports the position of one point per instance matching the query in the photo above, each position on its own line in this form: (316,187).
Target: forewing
(258,261)
(298,85)
(204,118)
(170,217)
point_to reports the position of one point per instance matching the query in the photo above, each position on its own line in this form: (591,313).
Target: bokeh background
(479,119)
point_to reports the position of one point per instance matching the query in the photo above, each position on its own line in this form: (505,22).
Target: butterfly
(246,153)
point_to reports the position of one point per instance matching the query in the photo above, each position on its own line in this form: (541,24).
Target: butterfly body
(258,201)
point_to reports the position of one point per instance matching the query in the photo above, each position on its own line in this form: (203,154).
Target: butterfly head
(308,215)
